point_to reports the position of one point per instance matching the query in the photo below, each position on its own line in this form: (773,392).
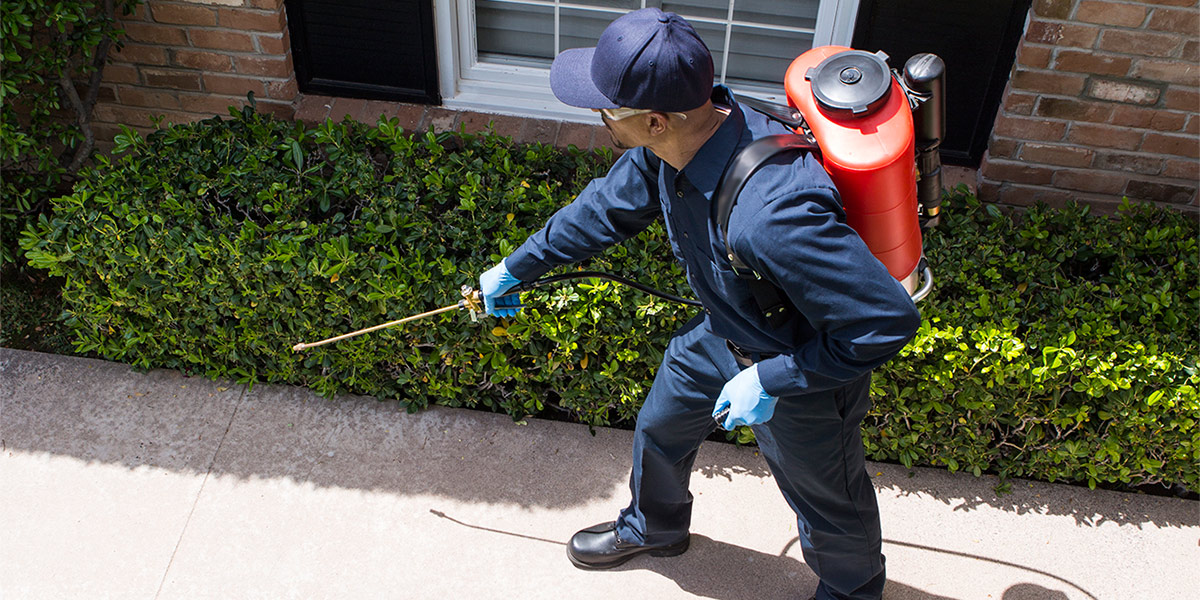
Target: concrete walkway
(115,484)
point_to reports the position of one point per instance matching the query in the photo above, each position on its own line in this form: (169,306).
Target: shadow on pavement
(103,412)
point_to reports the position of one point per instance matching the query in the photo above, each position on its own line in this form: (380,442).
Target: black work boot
(599,547)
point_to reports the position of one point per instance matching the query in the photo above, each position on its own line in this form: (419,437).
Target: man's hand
(493,284)
(746,400)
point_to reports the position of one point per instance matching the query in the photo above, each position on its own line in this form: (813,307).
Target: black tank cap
(851,81)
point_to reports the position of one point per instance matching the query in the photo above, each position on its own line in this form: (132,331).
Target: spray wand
(472,300)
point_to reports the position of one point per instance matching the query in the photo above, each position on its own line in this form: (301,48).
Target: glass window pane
(505,30)
(706,9)
(763,56)
(795,13)
(582,28)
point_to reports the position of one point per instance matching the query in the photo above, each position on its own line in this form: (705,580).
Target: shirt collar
(705,169)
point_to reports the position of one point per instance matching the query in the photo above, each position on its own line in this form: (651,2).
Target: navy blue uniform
(789,226)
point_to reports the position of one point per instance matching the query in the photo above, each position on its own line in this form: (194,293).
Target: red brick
(1053,9)
(177,80)
(1131,162)
(312,108)
(1020,104)
(1029,129)
(266,4)
(134,116)
(438,119)
(1122,91)
(1175,145)
(1148,118)
(1055,154)
(273,44)
(183,15)
(1140,43)
(1074,110)
(210,104)
(204,61)
(1018,172)
(575,134)
(410,115)
(241,19)
(155,34)
(1037,57)
(341,108)
(1170,71)
(1091,63)
(221,39)
(539,130)
(1161,191)
(1048,82)
(1182,169)
(372,110)
(1110,13)
(139,54)
(268,66)
(284,111)
(148,97)
(1192,126)
(283,90)
(1104,136)
(1181,99)
(121,73)
(1191,3)
(1091,181)
(1000,147)
(1062,34)
(106,93)
(1175,21)
(232,85)
(1191,51)
(500,124)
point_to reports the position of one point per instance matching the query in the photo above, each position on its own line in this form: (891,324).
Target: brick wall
(1102,103)
(188,60)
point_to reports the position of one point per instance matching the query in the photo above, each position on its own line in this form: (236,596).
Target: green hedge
(1058,345)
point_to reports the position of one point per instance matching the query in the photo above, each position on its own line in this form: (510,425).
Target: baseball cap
(645,59)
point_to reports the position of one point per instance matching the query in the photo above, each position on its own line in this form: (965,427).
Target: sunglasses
(616,114)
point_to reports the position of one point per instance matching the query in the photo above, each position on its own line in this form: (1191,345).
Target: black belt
(746,358)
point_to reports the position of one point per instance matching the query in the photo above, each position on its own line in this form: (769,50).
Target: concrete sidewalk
(115,484)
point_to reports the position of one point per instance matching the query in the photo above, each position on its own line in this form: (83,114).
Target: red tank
(861,119)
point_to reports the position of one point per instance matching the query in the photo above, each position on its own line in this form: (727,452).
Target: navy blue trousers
(812,445)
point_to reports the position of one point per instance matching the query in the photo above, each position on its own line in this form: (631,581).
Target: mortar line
(200,492)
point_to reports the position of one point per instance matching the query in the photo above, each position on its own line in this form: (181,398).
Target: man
(802,386)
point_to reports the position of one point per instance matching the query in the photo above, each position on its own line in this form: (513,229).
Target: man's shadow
(722,571)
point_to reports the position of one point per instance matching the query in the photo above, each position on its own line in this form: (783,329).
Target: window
(495,55)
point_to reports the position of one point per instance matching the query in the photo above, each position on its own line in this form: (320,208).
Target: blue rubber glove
(746,400)
(493,284)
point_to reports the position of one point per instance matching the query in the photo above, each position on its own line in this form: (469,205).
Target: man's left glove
(747,401)
(492,285)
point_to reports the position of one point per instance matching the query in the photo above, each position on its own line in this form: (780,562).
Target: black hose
(529,285)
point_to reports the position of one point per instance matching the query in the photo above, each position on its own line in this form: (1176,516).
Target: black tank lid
(851,81)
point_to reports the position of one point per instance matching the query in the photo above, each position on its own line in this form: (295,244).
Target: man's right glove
(493,284)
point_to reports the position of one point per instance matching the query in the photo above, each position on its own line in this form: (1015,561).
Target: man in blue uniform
(802,385)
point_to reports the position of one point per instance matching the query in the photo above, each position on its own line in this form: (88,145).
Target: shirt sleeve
(608,211)
(862,316)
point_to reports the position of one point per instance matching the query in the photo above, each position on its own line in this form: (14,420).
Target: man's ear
(657,124)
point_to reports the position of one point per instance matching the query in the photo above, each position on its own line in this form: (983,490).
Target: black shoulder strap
(773,303)
(734,179)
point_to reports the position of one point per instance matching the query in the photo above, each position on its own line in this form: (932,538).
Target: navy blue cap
(645,59)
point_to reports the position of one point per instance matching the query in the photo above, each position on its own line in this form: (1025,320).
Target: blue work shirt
(788,225)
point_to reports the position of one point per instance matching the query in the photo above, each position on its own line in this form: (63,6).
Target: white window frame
(467,84)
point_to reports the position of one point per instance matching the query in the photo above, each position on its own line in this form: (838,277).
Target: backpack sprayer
(877,132)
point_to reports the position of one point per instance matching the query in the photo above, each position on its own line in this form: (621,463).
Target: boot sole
(662,552)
